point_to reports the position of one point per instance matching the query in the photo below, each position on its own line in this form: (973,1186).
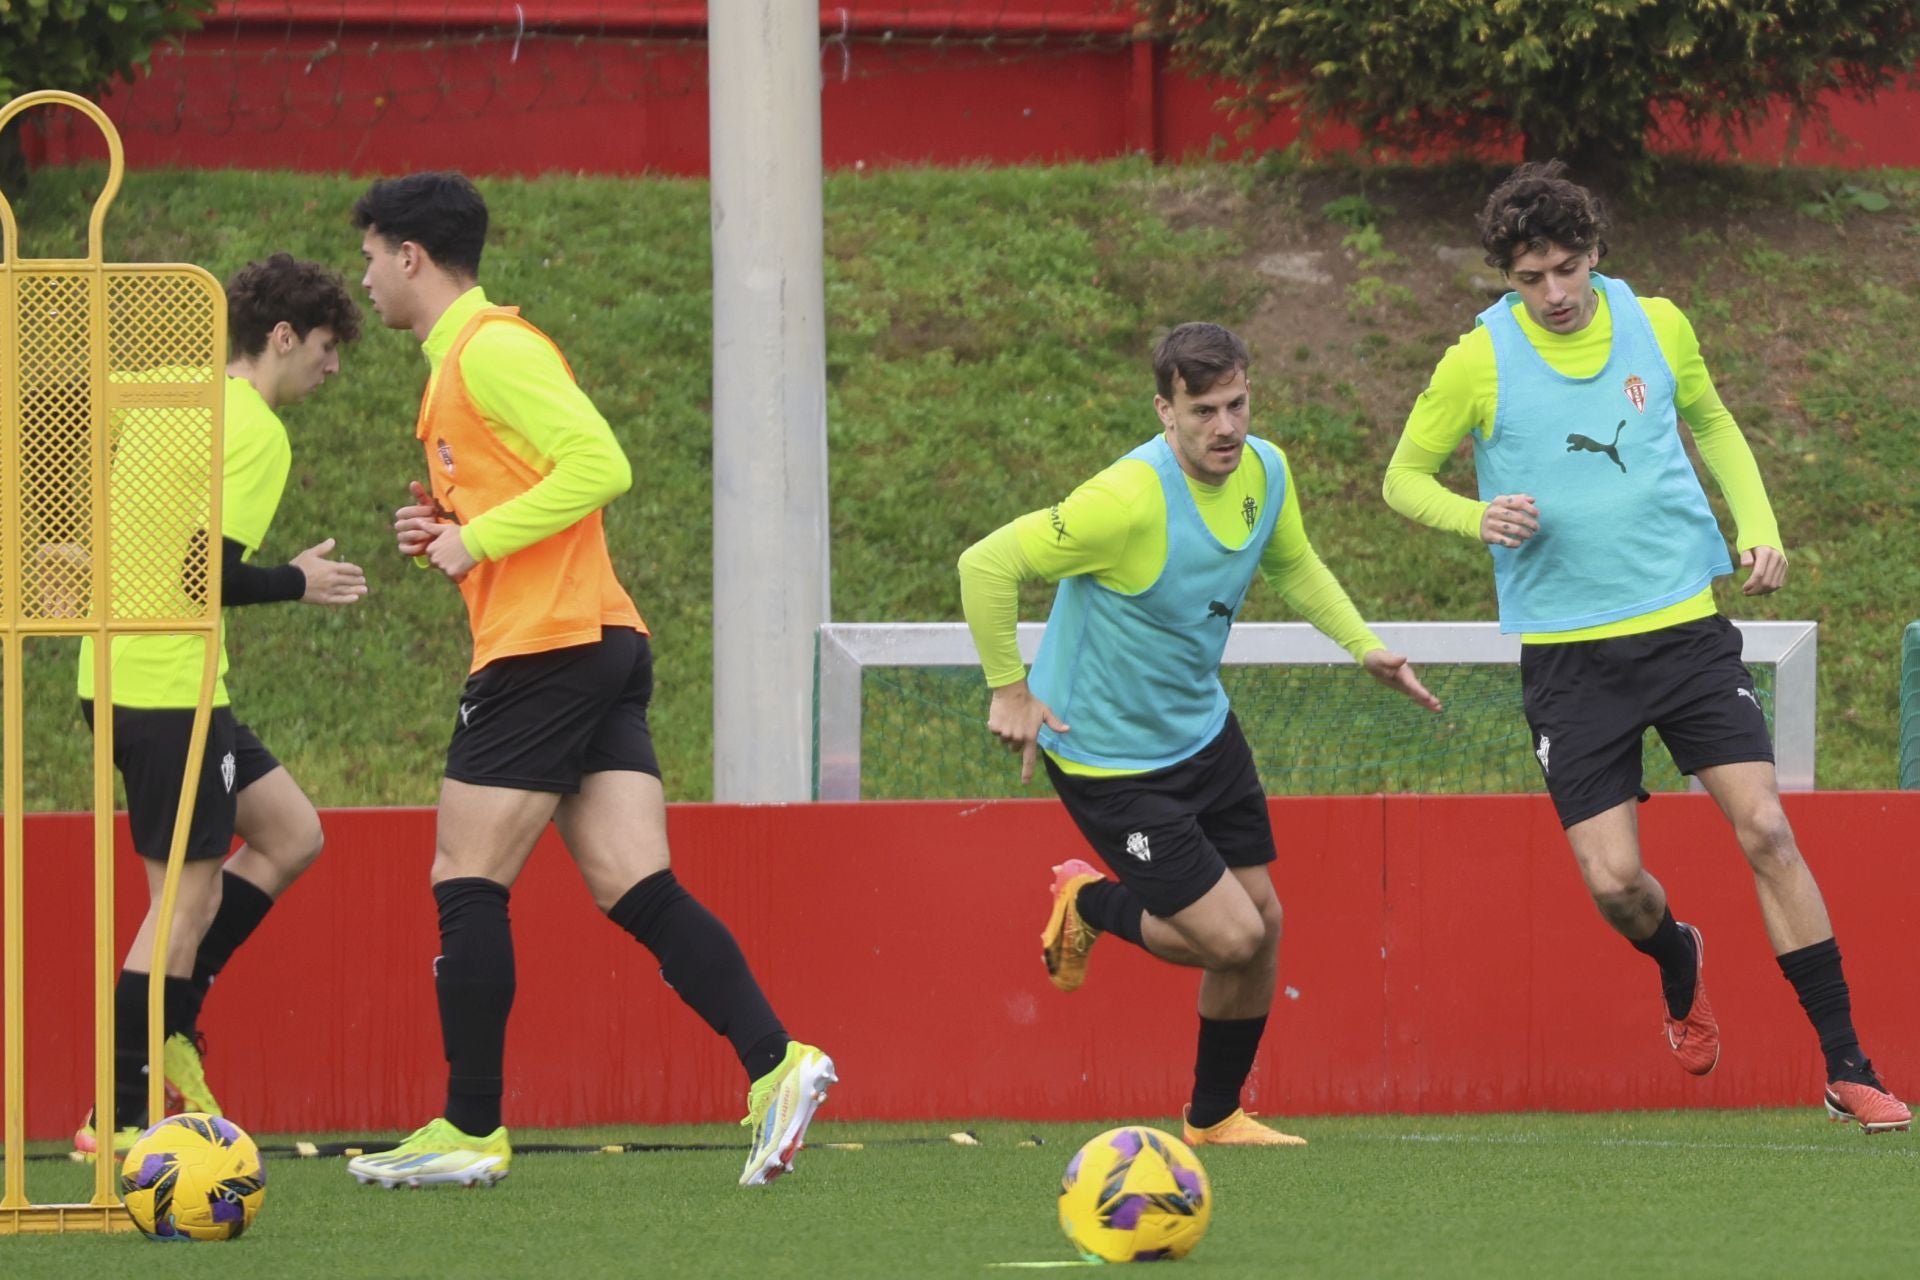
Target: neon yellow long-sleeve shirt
(1114,528)
(1461,397)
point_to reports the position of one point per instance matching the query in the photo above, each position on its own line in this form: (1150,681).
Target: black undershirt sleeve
(243,583)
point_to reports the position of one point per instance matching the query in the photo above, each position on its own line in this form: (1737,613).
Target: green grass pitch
(1723,1193)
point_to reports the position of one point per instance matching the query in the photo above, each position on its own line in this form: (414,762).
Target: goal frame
(844,650)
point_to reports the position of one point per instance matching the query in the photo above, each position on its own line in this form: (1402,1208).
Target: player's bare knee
(308,849)
(197,901)
(1621,904)
(1766,837)
(1237,945)
(1271,920)
(445,866)
(203,910)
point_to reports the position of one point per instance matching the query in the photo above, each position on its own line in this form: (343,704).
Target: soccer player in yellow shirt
(552,724)
(286,321)
(1154,557)
(1604,552)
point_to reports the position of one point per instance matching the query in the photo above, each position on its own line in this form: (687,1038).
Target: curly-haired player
(286,322)
(1604,554)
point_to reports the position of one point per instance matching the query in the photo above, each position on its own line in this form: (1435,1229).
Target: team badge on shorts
(227,771)
(1636,392)
(1137,846)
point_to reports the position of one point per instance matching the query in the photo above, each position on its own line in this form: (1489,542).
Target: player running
(552,725)
(1154,557)
(1604,554)
(286,321)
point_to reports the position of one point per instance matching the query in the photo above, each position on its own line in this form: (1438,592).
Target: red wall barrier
(1440,956)
(620,86)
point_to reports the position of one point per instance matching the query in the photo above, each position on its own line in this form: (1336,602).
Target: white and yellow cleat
(437,1153)
(780,1106)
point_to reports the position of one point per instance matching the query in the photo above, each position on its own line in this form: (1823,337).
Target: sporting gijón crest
(1636,391)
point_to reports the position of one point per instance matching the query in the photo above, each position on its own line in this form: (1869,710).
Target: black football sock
(129,1055)
(1672,949)
(243,905)
(1816,977)
(702,963)
(1110,907)
(179,1008)
(1221,1067)
(765,1054)
(474,980)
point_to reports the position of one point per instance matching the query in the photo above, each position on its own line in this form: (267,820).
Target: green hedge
(1581,79)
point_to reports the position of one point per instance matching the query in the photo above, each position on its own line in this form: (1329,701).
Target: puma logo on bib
(1577,443)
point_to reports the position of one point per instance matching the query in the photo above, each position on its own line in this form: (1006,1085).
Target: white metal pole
(770,527)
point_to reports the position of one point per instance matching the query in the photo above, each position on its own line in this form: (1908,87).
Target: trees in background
(1586,80)
(81,46)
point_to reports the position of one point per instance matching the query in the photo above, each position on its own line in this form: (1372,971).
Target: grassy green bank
(987,343)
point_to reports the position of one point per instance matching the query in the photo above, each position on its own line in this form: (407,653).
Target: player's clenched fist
(414,526)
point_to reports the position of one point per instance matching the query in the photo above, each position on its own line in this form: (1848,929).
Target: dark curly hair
(1535,207)
(306,295)
(1203,355)
(443,213)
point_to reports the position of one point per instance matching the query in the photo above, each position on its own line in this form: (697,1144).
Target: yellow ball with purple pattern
(193,1177)
(1135,1195)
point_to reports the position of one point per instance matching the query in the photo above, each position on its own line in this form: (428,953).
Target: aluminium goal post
(1783,653)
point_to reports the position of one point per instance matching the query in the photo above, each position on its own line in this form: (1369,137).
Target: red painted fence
(620,86)
(1440,956)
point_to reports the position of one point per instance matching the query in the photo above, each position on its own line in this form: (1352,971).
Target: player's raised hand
(1395,672)
(1510,520)
(1015,718)
(1769,565)
(329,581)
(416,526)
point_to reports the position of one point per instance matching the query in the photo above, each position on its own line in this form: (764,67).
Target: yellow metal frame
(195,388)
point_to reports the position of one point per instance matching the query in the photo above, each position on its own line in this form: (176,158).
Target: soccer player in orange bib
(552,724)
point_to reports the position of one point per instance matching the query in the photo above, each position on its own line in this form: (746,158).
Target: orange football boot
(1067,939)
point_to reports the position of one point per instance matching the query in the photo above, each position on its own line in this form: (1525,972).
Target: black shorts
(1171,834)
(150,750)
(543,721)
(1589,703)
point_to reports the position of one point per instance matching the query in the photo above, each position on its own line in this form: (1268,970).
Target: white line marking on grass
(1037,1265)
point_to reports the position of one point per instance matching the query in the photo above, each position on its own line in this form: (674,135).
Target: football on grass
(193,1177)
(1135,1195)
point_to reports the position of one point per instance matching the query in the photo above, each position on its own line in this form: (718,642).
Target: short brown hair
(1538,206)
(306,295)
(1202,354)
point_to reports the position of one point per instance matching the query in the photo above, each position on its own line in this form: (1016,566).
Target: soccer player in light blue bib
(1154,557)
(1604,552)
